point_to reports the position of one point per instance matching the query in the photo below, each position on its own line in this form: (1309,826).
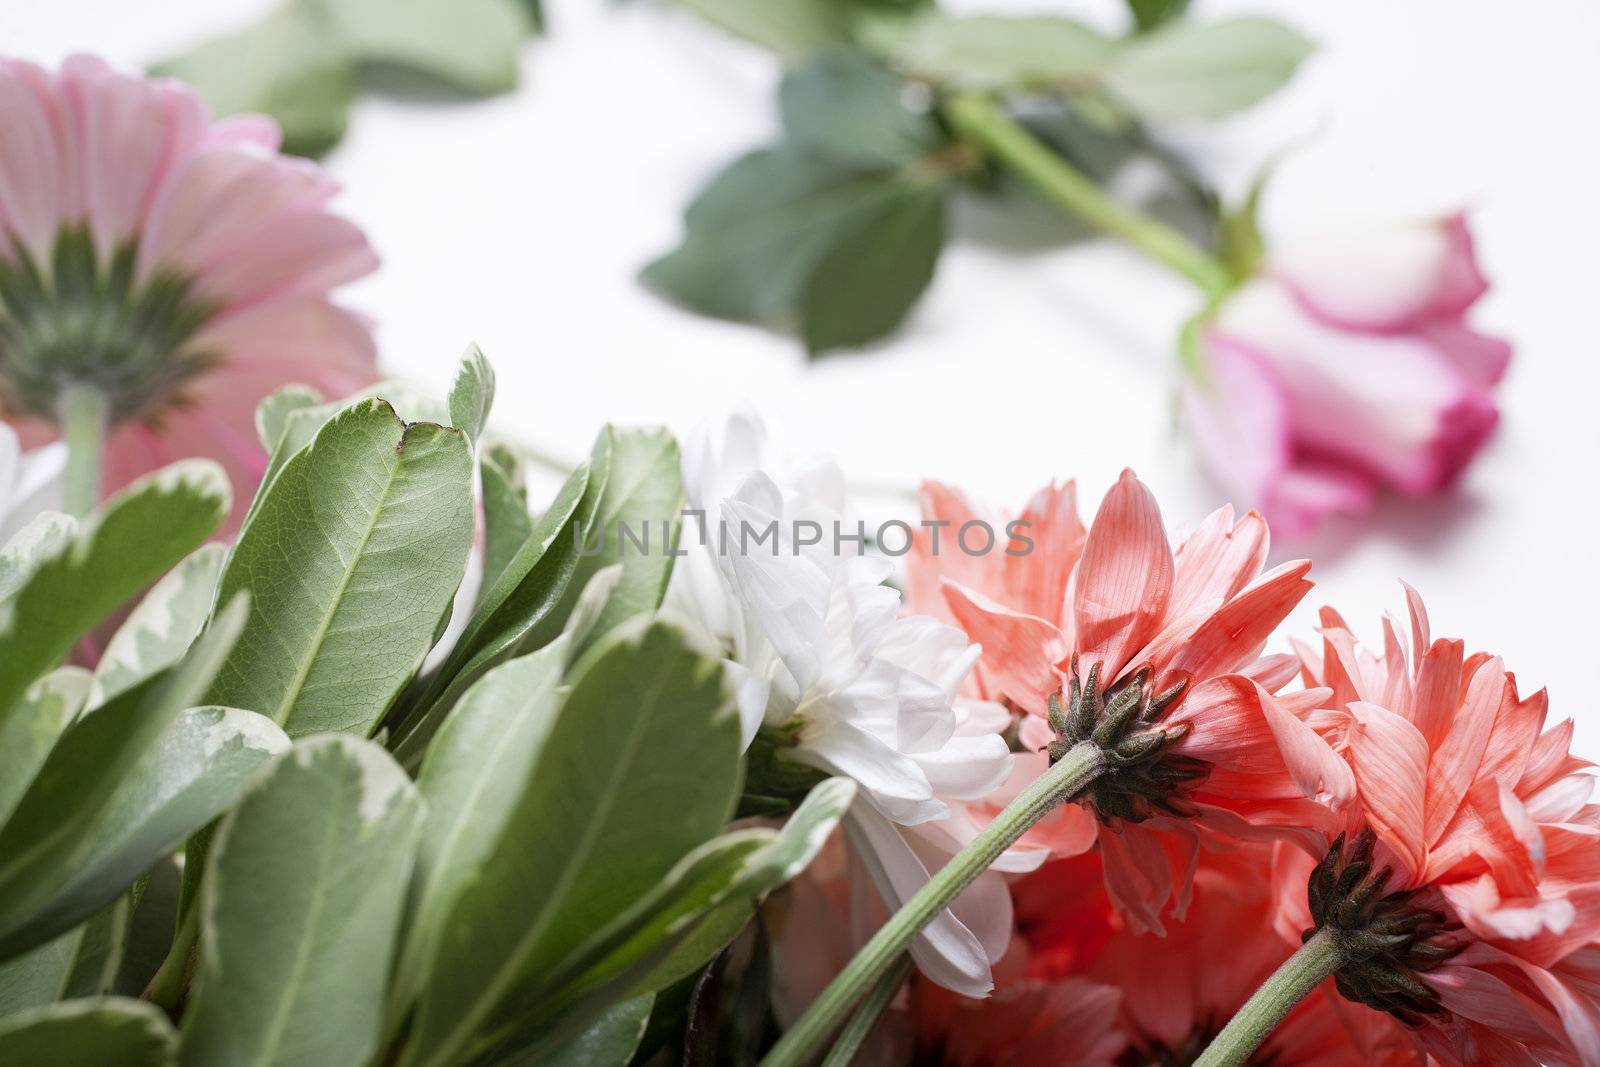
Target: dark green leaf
(847,108)
(352,558)
(300,908)
(89,1033)
(610,1041)
(30,730)
(506,522)
(80,963)
(472,393)
(1150,14)
(640,766)
(995,51)
(161,628)
(872,277)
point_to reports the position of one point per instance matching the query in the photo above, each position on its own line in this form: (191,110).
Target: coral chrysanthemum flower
(178,268)
(1080,986)
(1467,895)
(1160,651)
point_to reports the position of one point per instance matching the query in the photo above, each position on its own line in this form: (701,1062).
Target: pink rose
(1347,364)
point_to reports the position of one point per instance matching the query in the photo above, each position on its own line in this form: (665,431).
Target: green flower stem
(1288,986)
(982,120)
(84,416)
(1062,782)
(866,1017)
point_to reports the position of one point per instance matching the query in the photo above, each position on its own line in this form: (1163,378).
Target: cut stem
(979,118)
(855,1032)
(1065,780)
(84,415)
(1288,986)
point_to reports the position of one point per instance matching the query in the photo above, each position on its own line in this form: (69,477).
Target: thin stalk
(1288,986)
(167,987)
(855,1032)
(84,415)
(1060,783)
(1006,141)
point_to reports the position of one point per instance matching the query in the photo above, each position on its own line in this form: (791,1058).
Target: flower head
(1160,653)
(1346,365)
(179,267)
(1466,896)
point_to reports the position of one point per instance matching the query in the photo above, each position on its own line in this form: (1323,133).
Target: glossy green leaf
(287,65)
(640,766)
(874,275)
(80,963)
(476,770)
(161,628)
(129,542)
(352,559)
(89,1033)
(995,51)
(300,908)
(610,1041)
(468,44)
(1205,70)
(507,525)
(528,591)
(472,393)
(31,728)
(637,526)
(851,109)
(56,875)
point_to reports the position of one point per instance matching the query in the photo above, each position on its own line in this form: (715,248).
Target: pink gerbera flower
(1160,651)
(175,268)
(1471,869)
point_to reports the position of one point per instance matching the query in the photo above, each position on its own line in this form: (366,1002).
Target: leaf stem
(84,416)
(1075,770)
(981,119)
(866,1016)
(166,987)
(1300,974)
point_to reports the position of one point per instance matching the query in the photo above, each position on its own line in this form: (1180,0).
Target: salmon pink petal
(1234,634)
(1454,765)
(1035,581)
(1550,758)
(1019,651)
(1390,761)
(1217,560)
(1315,768)
(1124,578)
(1273,672)
(1438,690)
(930,560)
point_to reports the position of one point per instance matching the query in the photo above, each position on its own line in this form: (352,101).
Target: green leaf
(1188,70)
(300,908)
(757,236)
(44,536)
(58,873)
(272,414)
(847,108)
(643,495)
(475,771)
(80,963)
(469,44)
(89,1033)
(129,542)
(610,1041)
(352,558)
(1151,14)
(874,275)
(30,730)
(525,594)
(794,29)
(472,393)
(506,522)
(287,66)
(994,51)
(161,628)
(685,920)
(640,766)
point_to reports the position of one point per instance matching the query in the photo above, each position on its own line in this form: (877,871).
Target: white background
(520,222)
